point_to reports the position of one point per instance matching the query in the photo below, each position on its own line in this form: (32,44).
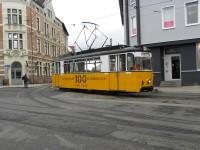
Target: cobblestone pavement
(43,118)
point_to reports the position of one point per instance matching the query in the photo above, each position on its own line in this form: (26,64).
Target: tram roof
(99,52)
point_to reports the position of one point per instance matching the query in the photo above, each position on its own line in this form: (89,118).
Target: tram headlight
(149,81)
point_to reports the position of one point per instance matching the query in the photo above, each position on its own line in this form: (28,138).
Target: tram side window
(138,63)
(98,65)
(146,63)
(122,62)
(130,62)
(52,69)
(90,65)
(80,67)
(113,60)
(58,67)
(72,67)
(66,68)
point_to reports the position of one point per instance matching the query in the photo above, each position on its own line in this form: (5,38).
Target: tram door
(117,69)
(16,73)
(114,75)
(122,78)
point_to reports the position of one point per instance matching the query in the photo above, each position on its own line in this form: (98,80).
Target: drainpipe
(126,17)
(138,22)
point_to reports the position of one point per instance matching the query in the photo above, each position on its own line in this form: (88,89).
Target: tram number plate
(81,79)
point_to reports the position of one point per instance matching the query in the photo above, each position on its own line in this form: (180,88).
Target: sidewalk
(30,85)
(182,89)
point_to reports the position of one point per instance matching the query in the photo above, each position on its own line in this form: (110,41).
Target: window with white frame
(15,41)
(198,56)
(168,17)
(192,12)
(14,16)
(133,26)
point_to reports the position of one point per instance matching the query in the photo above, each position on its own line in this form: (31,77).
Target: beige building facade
(30,37)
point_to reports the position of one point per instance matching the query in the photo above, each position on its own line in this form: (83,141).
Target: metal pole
(126,17)
(138,22)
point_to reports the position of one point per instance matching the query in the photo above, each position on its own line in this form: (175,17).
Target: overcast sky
(105,13)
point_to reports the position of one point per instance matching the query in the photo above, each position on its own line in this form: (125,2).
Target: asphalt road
(43,118)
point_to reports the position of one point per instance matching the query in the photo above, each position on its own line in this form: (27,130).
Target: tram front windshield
(139,61)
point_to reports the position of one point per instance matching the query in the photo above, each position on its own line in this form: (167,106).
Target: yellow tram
(107,69)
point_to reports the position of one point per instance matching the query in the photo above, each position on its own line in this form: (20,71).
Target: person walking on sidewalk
(25,78)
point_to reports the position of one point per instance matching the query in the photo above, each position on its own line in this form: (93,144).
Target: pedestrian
(25,78)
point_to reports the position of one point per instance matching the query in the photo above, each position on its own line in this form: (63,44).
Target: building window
(14,16)
(15,41)
(132,3)
(49,13)
(38,24)
(59,51)
(192,13)
(39,45)
(133,26)
(52,33)
(168,17)
(47,48)
(40,66)
(46,30)
(55,48)
(198,56)
(54,51)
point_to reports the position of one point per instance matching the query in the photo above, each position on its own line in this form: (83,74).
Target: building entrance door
(172,67)
(16,74)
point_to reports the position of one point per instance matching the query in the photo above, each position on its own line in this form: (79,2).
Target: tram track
(136,115)
(95,114)
(113,109)
(106,119)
